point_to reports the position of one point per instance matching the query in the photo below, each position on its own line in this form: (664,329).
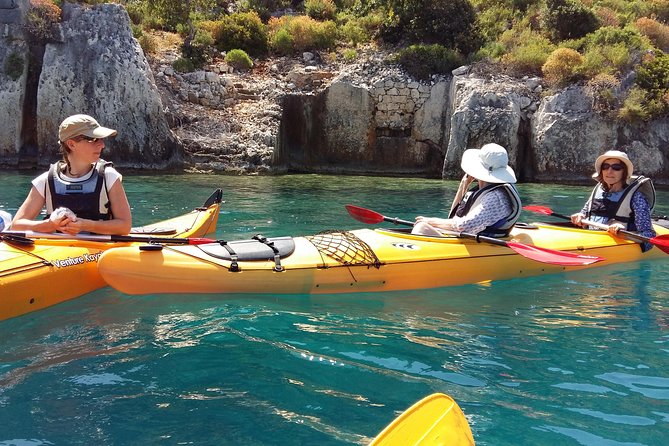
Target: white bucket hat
(617,154)
(490,163)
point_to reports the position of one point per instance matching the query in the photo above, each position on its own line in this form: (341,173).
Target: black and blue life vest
(619,206)
(502,227)
(86,198)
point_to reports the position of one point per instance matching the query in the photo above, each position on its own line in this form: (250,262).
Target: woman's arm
(642,217)
(24,220)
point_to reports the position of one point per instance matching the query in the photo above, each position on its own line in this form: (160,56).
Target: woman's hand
(614,227)
(441,223)
(576,219)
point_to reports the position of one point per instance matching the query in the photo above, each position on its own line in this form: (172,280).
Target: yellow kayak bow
(434,420)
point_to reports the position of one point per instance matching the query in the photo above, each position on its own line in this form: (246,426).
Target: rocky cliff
(302,114)
(93,66)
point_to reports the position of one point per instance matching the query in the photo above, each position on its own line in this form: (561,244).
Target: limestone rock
(481,115)
(12,93)
(100,69)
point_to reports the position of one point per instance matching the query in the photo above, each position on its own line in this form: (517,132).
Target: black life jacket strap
(277,257)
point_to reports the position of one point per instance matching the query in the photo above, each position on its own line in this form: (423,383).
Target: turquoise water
(578,359)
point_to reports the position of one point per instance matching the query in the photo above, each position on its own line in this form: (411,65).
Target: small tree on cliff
(451,23)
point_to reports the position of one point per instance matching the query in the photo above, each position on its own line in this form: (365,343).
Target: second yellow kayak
(352,261)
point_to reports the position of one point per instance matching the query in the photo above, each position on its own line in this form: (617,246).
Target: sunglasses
(88,138)
(617,167)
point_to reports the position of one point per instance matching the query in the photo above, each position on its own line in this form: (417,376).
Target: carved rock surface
(100,69)
(567,136)
(11,97)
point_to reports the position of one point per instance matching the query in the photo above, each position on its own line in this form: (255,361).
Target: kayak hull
(56,270)
(399,261)
(435,420)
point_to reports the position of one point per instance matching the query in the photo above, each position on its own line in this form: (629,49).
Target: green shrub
(561,67)
(609,35)
(492,50)
(325,35)
(320,9)
(148,43)
(659,9)
(657,32)
(608,59)
(282,42)
(243,30)
(137,30)
(14,65)
(238,59)
(350,54)
(353,33)
(634,108)
(653,78)
(422,61)
(166,14)
(41,20)
(198,50)
(607,17)
(494,20)
(264,8)
(527,52)
(603,88)
(451,23)
(183,65)
(568,19)
(135,12)
(295,34)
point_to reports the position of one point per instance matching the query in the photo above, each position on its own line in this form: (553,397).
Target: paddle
(436,419)
(110,238)
(14,239)
(536,253)
(661,241)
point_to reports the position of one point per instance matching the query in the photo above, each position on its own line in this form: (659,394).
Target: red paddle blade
(661,241)
(364,215)
(552,256)
(539,209)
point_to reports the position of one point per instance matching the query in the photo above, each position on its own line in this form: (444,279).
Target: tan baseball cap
(85,125)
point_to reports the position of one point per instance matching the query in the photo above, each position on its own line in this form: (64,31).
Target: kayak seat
(251,250)
(662,221)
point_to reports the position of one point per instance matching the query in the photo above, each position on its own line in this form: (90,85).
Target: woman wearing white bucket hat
(81,193)
(491,208)
(619,200)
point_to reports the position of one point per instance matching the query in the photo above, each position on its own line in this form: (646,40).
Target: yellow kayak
(54,270)
(435,420)
(355,261)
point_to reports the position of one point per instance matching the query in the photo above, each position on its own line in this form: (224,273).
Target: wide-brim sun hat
(616,154)
(82,125)
(490,163)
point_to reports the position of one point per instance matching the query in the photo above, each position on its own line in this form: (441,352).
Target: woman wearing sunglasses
(618,200)
(82,192)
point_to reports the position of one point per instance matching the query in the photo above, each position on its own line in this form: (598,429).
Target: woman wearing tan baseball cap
(81,193)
